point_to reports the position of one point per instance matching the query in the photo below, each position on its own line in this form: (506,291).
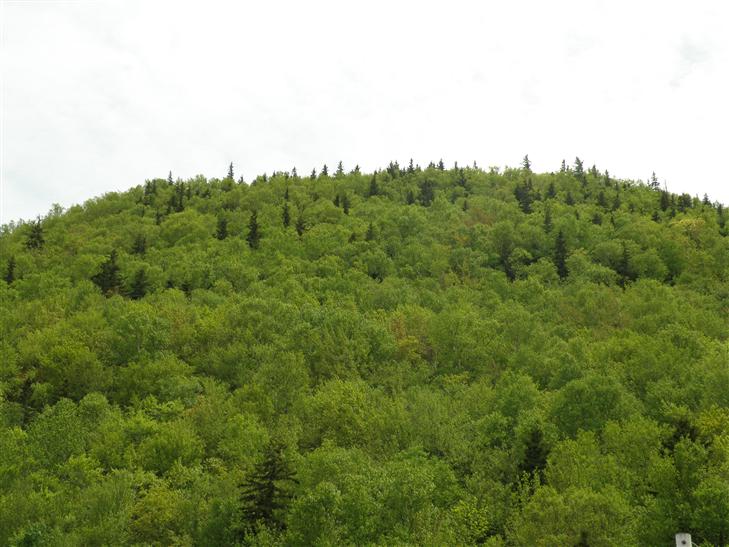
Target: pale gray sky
(101,95)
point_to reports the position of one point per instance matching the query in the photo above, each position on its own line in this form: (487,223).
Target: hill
(415,356)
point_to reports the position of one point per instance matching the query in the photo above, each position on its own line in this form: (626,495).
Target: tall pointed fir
(221,231)
(286,215)
(108,279)
(254,234)
(35,238)
(139,285)
(560,255)
(10,271)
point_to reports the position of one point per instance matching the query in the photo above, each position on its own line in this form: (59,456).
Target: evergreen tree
(169,178)
(340,169)
(10,271)
(441,165)
(286,215)
(551,191)
(254,235)
(563,167)
(313,174)
(370,235)
(601,199)
(665,200)
(373,190)
(221,232)
(139,285)
(580,172)
(535,455)
(427,193)
(108,279)
(35,235)
(526,164)
(294,175)
(560,255)
(356,170)
(548,219)
(410,198)
(345,204)
(569,200)
(523,195)
(411,167)
(325,171)
(720,215)
(300,226)
(140,244)
(230,172)
(653,183)
(286,194)
(266,491)
(336,201)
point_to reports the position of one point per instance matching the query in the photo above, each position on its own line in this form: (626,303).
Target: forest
(415,356)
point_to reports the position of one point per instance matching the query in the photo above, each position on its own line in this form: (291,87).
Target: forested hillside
(419,356)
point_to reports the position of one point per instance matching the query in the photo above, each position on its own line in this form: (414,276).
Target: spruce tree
(325,171)
(441,165)
(140,244)
(560,255)
(300,225)
(265,492)
(108,279)
(221,232)
(254,235)
(535,454)
(10,271)
(548,219)
(665,200)
(35,235)
(410,198)
(313,174)
(623,267)
(345,204)
(373,190)
(340,169)
(169,178)
(551,191)
(370,235)
(286,215)
(427,193)
(231,177)
(139,285)
(526,164)
(580,172)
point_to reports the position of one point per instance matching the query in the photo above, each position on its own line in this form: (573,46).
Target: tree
(140,244)
(654,184)
(370,235)
(266,490)
(526,164)
(35,238)
(410,198)
(221,232)
(523,194)
(548,219)
(535,454)
(286,216)
(580,172)
(325,171)
(300,225)
(441,165)
(254,235)
(169,179)
(108,279)
(623,267)
(340,170)
(551,191)
(345,204)
(230,172)
(10,271)
(373,190)
(563,167)
(560,255)
(427,193)
(665,201)
(139,285)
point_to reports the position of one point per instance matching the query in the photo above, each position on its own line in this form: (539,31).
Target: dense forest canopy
(424,356)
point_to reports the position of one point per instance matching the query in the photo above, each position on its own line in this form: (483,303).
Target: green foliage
(449,357)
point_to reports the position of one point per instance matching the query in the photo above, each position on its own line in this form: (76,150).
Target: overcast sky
(101,95)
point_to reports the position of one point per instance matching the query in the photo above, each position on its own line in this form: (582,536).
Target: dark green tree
(10,271)
(427,193)
(254,234)
(551,191)
(345,204)
(548,219)
(526,164)
(221,231)
(373,190)
(535,453)
(410,198)
(325,171)
(230,172)
(35,238)
(370,235)
(623,267)
(523,194)
(108,279)
(560,255)
(139,247)
(300,225)
(286,215)
(139,285)
(266,491)
(665,200)
(441,165)
(340,170)
(580,172)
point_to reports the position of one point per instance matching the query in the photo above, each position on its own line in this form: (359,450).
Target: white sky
(101,95)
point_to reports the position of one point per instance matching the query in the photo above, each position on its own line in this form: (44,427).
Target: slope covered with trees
(420,356)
